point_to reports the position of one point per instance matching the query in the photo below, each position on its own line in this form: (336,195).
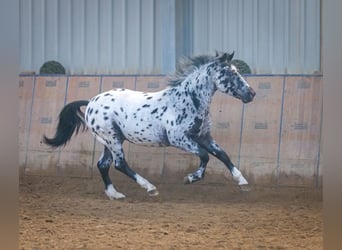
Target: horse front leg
(189,145)
(200,172)
(213,148)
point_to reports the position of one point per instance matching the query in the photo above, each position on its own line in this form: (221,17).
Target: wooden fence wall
(275,139)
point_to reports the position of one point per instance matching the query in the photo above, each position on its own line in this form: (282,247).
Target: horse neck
(200,86)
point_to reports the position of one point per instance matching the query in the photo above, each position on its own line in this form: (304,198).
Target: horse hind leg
(121,165)
(103,165)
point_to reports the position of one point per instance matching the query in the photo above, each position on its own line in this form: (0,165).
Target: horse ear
(216,53)
(223,57)
(230,56)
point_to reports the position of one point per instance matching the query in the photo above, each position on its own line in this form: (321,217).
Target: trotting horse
(177,116)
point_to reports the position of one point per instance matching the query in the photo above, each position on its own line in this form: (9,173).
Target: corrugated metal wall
(97,37)
(146,36)
(273,36)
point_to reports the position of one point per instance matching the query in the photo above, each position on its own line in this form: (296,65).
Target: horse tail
(71,118)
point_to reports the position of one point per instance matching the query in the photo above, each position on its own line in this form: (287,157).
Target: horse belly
(146,135)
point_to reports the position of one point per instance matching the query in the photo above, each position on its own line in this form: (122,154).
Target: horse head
(228,80)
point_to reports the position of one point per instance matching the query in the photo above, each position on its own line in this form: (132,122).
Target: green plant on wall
(242,67)
(52,67)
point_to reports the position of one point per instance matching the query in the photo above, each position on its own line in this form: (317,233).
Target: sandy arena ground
(74,213)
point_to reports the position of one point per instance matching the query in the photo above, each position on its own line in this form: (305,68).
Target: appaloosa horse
(177,116)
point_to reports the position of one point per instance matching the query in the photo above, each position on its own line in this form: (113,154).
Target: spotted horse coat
(177,116)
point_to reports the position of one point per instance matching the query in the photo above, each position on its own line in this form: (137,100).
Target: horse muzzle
(248,96)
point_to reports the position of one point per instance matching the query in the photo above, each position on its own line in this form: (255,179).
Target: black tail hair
(71,118)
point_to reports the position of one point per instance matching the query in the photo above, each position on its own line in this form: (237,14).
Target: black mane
(187,65)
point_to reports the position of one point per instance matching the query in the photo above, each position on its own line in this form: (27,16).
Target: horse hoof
(245,188)
(153,192)
(115,196)
(186,180)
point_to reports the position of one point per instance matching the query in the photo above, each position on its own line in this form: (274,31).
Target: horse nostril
(252,92)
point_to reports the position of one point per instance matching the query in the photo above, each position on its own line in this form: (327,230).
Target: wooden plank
(177,161)
(300,135)
(260,134)
(76,159)
(115,82)
(146,160)
(150,83)
(48,101)
(26,85)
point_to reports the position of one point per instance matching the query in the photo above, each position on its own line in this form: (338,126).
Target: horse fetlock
(145,184)
(238,177)
(187,179)
(190,178)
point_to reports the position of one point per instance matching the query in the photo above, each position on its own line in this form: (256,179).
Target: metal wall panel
(93,36)
(273,37)
(147,36)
